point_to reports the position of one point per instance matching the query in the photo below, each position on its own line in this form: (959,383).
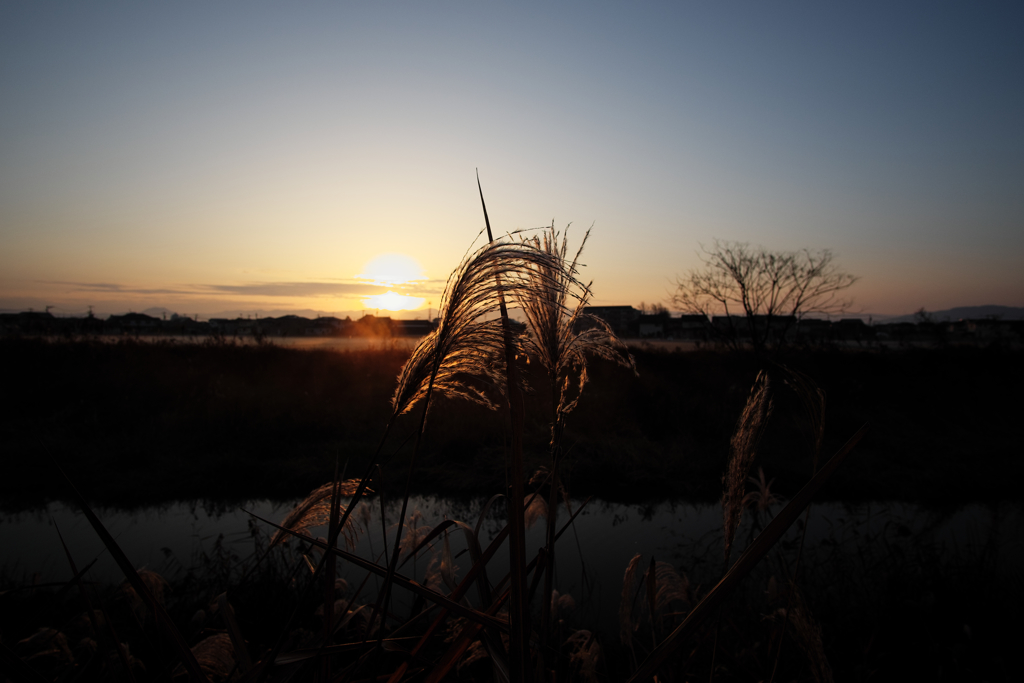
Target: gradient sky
(257,156)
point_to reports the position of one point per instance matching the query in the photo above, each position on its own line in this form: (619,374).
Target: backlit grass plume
(744,447)
(315,510)
(469,340)
(561,335)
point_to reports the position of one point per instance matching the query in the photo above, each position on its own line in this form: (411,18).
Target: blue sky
(257,156)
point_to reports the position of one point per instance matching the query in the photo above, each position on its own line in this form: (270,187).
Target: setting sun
(393,270)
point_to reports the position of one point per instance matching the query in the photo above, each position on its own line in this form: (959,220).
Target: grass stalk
(182,649)
(746,562)
(398,579)
(519,667)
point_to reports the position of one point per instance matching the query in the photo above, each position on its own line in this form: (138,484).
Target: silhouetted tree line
(140,324)
(631,323)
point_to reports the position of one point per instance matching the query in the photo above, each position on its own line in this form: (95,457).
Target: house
(813,329)
(852,329)
(770,330)
(652,325)
(624,320)
(371,326)
(688,326)
(27,322)
(413,328)
(134,323)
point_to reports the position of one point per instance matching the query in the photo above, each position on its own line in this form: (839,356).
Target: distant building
(413,328)
(652,325)
(852,329)
(813,330)
(372,326)
(27,322)
(624,320)
(133,323)
(686,326)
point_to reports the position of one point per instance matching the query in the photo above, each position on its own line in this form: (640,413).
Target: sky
(270,157)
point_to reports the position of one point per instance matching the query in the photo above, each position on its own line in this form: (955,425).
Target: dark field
(137,423)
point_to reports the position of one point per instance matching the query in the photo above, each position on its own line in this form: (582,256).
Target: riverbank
(139,423)
(892,590)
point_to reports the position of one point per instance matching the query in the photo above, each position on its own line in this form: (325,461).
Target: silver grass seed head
(469,342)
(744,445)
(561,335)
(626,625)
(315,510)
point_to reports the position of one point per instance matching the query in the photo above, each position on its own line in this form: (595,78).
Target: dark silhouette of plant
(561,337)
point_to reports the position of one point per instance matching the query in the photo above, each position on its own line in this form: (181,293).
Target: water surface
(590,560)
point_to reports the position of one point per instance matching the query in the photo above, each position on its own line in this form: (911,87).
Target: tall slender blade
(750,557)
(399,579)
(519,630)
(14,666)
(487,221)
(76,579)
(173,635)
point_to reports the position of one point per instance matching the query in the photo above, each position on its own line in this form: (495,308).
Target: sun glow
(392,269)
(397,271)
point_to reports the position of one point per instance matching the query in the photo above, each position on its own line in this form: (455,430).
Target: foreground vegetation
(888,607)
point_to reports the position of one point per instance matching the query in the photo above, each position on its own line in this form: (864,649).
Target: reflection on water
(591,556)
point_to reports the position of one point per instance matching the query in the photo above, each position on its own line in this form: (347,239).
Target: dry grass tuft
(315,510)
(584,655)
(474,653)
(469,341)
(812,398)
(671,587)
(761,498)
(216,657)
(535,508)
(626,625)
(663,587)
(744,444)
(561,604)
(561,334)
(807,633)
(155,584)
(414,532)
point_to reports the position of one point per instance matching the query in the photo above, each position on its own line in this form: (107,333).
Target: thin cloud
(337,288)
(318,289)
(298,289)
(111,288)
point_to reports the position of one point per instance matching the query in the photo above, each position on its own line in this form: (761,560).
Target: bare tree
(769,290)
